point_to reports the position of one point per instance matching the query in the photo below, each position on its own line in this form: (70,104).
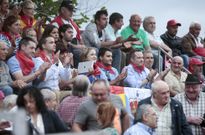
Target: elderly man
(69,106)
(171,118)
(137,74)
(6,83)
(191,41)
(86,116)
(193,101)
(149,25)
(141,41)
(147,121)
(176,77)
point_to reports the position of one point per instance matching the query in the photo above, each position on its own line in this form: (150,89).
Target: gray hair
(9,100)
(157,85)
(194,24)
(142,110)
(81,85)
(146,20)
(48,94)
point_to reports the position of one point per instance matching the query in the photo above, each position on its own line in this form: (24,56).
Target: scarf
(25,62)
(59,21)
(27,21)
(107,68)
(96,70)
(137,68)
(42,54)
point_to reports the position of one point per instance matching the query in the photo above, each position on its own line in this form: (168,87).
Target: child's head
(105,114)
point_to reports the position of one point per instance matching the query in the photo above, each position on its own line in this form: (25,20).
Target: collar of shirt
(145,127)
(190,101)
(177,76)
(156,106)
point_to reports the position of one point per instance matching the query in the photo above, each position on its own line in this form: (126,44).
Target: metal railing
(160,62)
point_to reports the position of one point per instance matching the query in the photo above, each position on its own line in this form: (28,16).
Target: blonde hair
(84,54)
(106,113)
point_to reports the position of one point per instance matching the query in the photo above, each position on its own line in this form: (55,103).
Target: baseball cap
(173,22)
(195,61)
(68,4)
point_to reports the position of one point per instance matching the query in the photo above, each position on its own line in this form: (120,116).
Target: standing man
(66,10)
(176,77)
(86,115)
(193,102)
(171,118)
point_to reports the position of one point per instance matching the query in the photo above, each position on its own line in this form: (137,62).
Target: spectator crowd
(40,73)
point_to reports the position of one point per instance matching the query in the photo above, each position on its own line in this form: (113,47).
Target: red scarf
(8,35)
(25,62)
(59,21)
(107,68)
(96,70)
(43,56)
(137,68)
(27,20)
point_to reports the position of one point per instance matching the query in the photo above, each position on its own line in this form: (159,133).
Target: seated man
(95,35)
(141,41)
(146,121)
(192,45)
(6,83)
(86,116)
(137,74)
(196,68)
(193,104)
(149,25)
(171,118)
(108,72)
(176,77)
(24,66)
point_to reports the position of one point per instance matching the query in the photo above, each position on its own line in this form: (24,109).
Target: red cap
(195,61)
(173,23)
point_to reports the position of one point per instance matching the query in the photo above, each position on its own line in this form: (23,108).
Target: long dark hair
(35,94)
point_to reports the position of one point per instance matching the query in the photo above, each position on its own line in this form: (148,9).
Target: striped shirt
(164,122)
(196,109)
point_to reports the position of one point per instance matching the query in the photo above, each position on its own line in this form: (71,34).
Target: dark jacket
(188,44)
(179,123)
(52,123)
(173,42)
